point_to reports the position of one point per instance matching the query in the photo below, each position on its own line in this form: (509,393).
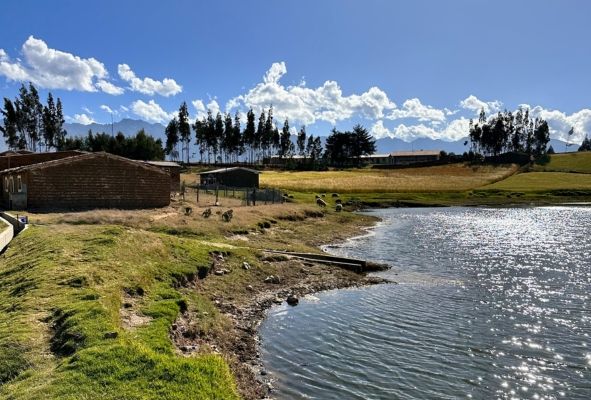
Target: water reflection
(491,303)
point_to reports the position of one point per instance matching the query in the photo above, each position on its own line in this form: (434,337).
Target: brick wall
(97,182)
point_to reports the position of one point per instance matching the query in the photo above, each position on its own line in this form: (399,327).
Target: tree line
(142,146)
(586,145)
(28,124)
(507,132)
(221,139)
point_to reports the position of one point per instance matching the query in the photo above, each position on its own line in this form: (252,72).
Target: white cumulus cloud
(473,103)
(109,88)
(151,111)
(455,130)
(55,69)
(560,123)
(166,87)
(308,105)
(413,108)
(81,119)
(106,108)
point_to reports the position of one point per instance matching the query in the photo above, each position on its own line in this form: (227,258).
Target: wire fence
(215,194)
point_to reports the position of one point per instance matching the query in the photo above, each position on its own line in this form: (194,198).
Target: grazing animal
(338,201)
(227,216)
(321,202)
(323,195)
(188,211)
(339,207)
(206,213)
(335,195)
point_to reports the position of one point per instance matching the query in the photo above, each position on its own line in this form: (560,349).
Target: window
(19,183)
(11,184)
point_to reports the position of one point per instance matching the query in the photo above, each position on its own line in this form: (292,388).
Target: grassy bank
(89,301)
(64,289)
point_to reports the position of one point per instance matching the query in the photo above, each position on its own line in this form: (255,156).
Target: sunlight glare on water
(491,303)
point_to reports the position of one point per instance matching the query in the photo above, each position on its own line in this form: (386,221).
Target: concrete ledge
(12,220)
(6,234)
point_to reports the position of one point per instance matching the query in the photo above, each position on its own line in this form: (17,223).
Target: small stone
(245,265)
(272,279)
(174,327)
(184,349)
(249,288)
(264,372)
(218,272)
(277,300)
(111,335)
(292,300)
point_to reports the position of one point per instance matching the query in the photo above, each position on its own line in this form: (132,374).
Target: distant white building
(403,157)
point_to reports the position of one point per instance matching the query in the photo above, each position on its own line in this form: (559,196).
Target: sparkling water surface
(491,303)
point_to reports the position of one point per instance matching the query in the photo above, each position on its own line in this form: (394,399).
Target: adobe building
(83,181)
(235,177)
(173,169)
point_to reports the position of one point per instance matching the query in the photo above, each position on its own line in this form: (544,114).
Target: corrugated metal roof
(386,155)
(164,164)
(415,153)
(222,170)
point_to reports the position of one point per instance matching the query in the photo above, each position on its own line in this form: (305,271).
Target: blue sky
(403,69)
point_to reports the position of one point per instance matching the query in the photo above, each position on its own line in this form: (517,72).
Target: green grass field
(62,289)
(567,162)
(543,181)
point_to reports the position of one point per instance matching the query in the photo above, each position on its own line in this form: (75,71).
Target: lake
(490,303)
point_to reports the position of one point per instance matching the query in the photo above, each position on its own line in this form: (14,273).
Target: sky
(405,69)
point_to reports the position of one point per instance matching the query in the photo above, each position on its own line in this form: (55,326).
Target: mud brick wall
(97,182)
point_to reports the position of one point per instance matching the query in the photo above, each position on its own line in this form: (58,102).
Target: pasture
(567,162)
(543,181)
(446,178)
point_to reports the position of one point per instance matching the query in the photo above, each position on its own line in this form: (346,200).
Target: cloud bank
(327,103)
(55,69)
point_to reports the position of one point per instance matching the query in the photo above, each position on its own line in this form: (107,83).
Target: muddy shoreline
(239,344)
(246,308)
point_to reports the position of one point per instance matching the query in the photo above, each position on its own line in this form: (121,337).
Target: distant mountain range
(385,145)
(127,126)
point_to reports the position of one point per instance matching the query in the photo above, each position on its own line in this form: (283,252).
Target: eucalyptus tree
(172,139)
(184,129)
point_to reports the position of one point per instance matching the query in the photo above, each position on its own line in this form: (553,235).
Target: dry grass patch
(454,177)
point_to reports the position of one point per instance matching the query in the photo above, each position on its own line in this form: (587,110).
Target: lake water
(491,303)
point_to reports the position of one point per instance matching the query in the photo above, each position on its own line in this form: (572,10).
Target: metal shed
(236,177)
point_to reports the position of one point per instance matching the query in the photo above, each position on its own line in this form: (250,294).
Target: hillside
(566,162)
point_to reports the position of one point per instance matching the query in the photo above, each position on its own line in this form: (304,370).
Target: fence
(242,196)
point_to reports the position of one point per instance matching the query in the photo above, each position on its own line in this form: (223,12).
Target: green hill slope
(568,162)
